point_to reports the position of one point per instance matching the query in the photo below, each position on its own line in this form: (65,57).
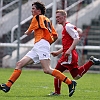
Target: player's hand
(54,53)
(67,53)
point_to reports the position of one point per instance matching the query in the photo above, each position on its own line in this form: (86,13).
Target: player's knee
(46,71)
(19,65)
(77,77)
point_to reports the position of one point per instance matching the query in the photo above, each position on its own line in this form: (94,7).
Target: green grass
(35,85)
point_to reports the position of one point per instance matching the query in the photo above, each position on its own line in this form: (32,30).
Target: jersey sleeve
(72,31)
(34,24)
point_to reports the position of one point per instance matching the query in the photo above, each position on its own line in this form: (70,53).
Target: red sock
(57,85)
(83,69)
(13,77)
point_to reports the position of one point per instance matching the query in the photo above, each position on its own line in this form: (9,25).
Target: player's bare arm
(56,53)
(27,32)
(75,42)
(55,38)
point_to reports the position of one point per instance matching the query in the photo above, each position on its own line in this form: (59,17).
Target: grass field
(35,85)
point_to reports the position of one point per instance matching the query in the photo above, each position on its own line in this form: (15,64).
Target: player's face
(35,11)
(60,18)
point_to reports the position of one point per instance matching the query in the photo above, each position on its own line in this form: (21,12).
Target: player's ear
(39,11)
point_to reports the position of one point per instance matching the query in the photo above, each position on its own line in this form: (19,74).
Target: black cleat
(95,60)
(4,88)
(72,88)
(53,94)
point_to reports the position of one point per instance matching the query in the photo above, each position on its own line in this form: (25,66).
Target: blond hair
(62,12)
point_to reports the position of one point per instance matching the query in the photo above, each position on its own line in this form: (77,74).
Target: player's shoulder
(42,18)
(69,25)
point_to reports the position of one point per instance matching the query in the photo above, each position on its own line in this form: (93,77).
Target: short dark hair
(40,6)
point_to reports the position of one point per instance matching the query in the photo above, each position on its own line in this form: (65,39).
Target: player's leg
(48,70)
(56,73)
(57,82)
(16,73)
(28,58)
(80,71)
(76,71)
(18,69)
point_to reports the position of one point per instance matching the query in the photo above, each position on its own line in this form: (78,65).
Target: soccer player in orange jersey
(44,34)
(69,58)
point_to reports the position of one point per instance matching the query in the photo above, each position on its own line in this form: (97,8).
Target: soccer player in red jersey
(69,58)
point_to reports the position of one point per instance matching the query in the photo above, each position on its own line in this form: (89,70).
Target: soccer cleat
(4,88)
(95,60)
(72,88)
(53,94)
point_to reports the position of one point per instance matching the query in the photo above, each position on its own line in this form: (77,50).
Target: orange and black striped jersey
(43,29)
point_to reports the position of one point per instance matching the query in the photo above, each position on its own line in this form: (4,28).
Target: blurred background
(15,18)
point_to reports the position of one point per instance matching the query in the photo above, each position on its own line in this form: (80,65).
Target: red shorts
(69,62)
